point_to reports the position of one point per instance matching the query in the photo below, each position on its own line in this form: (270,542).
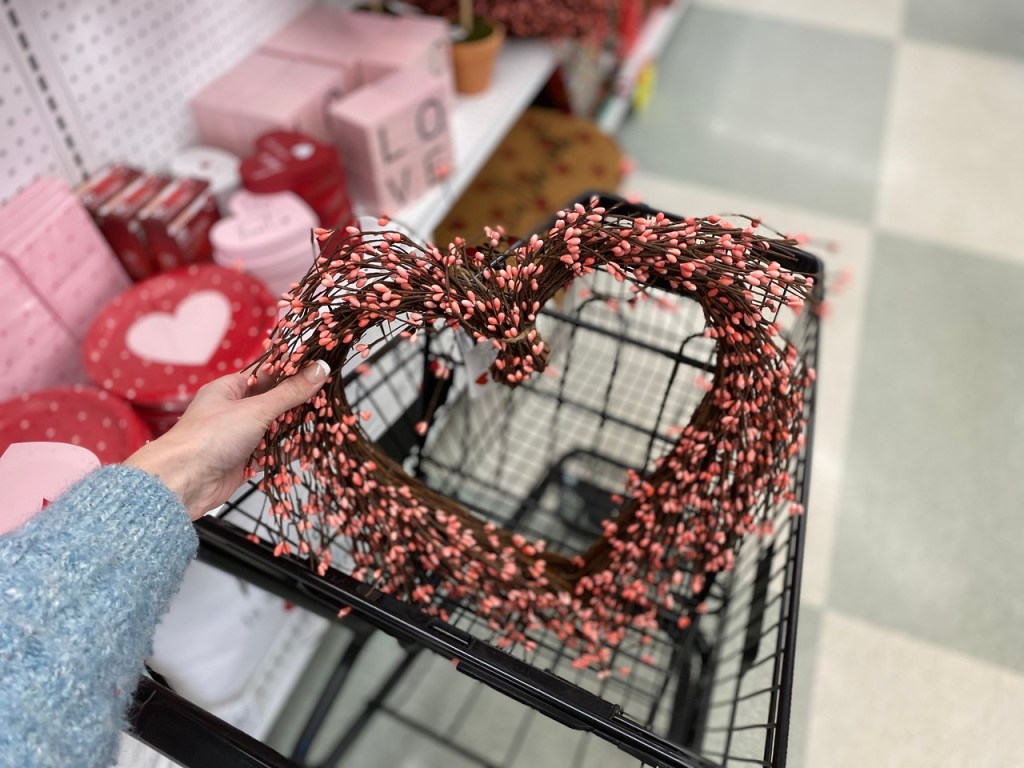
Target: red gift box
(51,439)
(177,222)
(119,223)
(286,161)
(156,344)
(101,187)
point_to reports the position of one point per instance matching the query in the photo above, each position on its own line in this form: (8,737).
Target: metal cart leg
(335,683)
(191,736)
(371,708)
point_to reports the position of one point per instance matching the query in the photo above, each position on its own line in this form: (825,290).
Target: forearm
(82,586)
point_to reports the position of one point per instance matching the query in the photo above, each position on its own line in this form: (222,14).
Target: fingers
(264,383)
(230,387)
(291,392)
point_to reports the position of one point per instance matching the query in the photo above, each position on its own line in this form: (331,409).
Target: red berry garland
(728,472)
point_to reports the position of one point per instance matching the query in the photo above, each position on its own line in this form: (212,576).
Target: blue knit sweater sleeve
(82,586)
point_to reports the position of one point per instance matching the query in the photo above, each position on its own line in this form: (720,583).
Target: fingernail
(317,371)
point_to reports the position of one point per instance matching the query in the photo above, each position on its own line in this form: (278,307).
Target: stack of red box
(177,224)
(286,161)
(152,222)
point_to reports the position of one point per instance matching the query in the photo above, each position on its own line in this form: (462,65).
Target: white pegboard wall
(127,68)
(30,145)
(89,81)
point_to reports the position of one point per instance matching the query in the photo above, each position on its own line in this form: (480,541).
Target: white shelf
(478,126)
(658,28)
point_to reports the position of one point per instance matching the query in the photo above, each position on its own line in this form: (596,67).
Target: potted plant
(475,46)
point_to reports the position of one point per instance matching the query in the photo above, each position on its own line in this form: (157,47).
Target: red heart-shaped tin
(156,344)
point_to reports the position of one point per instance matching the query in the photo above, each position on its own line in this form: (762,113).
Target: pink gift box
(262,229)
(21,215)
(395,138)
(51,239)
(269,236)
(36,349)
(34,474)
(365,47)
(265,93)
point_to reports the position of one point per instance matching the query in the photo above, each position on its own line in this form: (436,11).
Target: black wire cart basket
(547,460)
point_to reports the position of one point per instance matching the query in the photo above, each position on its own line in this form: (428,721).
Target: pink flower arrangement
(725,477)
(532,18)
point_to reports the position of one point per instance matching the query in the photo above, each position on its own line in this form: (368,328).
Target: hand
(202,458)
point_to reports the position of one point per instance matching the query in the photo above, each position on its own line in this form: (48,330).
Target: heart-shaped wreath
(724,477)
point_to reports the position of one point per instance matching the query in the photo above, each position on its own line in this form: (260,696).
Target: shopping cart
(547,460)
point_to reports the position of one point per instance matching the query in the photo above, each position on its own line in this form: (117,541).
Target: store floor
(890,131)
(894,130)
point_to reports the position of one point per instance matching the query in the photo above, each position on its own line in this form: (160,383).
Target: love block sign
(395,138)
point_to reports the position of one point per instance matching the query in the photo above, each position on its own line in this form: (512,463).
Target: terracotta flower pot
(473,58)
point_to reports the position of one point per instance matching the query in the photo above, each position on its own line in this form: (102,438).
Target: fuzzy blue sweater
(82,586)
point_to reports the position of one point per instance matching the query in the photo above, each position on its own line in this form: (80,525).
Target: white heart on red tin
(34,474)
(188,336)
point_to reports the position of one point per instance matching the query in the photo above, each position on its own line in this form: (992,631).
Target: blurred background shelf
(657,31)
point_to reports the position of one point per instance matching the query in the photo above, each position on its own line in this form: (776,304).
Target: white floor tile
(953,162)
(874,17)
(882,699)
(840,340)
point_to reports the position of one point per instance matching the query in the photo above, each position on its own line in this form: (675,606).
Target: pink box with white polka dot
(36,350)
(56,273)
(50,237)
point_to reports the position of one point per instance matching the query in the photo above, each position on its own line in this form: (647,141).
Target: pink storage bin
(265,93)
(394,136)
